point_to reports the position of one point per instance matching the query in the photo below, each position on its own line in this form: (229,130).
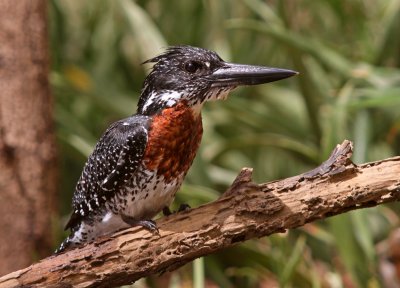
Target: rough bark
(247,210)
(27,144)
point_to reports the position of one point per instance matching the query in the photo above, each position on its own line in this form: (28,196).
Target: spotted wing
(112,163)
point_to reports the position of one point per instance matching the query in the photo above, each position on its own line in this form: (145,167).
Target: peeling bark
(247,210)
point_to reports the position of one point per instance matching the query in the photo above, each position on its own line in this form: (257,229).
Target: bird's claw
(184,207)
(149,225)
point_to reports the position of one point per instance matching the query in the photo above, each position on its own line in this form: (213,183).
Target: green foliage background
(348,54)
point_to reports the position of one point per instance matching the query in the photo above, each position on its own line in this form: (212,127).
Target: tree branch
(247,210)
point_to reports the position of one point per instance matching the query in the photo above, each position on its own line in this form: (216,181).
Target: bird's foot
(166,211)
(183,207)
(149,225)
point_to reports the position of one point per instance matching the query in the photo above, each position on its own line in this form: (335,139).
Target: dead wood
(246,210)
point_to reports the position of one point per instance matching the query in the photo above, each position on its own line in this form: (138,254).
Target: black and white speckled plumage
(114,180)
(120,187)
(115,158)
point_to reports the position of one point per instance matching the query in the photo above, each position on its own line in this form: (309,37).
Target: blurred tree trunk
(27,144)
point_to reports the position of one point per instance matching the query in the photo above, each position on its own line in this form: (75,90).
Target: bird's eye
(192,66)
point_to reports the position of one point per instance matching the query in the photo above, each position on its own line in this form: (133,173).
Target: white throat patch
(169,97)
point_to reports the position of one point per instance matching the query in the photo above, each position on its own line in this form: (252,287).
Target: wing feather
(113,162)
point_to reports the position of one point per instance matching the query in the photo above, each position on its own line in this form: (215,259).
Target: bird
(140,162)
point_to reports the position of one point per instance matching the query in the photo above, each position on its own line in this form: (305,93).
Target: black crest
(182,69)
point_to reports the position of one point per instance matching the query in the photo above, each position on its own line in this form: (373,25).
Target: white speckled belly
(153,195)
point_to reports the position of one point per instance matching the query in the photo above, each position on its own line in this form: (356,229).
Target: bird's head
(197,75)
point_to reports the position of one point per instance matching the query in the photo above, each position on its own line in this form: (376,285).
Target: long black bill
(238,74)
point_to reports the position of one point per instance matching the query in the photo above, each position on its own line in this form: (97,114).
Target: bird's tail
(65,245)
